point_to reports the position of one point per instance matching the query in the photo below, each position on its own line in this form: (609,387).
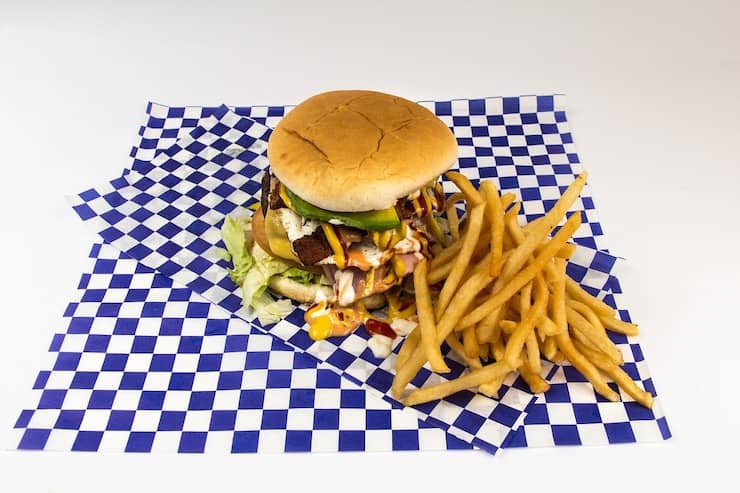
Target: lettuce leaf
(303,276)
(236,235)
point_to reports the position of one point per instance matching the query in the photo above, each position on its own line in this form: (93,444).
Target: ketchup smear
(374,326)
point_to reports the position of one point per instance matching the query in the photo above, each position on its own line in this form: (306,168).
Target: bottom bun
(306,293)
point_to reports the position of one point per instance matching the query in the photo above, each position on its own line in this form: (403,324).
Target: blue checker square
(80,325)
(87,441)
(201,400)
(298,440)
(326,419)
(505,415)
(619,432)
(279,379)
(352,441)
(302,398)
(378,419)
(197,310)
(69,419)
(41,379)
(67,361)
(56,343)
(245,442)
(181,381)
(140,441)
(101,399)
(52,399)
(405,439)
(209,362)
(352,399)
(115,362)
(24,418)
(120,420)
(274,419)
(161,363)
(222,420)
(586,413)
(144,344)
(133,381)
(566,434)
(171,421)
(152,400)
(469,422)
(230,380)
(251,399)
(257,360)
(84,380)
(236,343)
(34,439)
(190,344)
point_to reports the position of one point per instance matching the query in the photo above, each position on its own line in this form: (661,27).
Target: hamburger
(350,202)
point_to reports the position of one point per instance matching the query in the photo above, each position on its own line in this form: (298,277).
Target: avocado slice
(379,220)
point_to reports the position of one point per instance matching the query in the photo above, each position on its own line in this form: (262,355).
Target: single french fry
(408,347)
(533,353)
(492,387)
(456,345)
(549,348)
(507,199)
(427,326)
(512,280)
(584,366)
(508,326)
(463,183)
(576,292)
(620,377)
(518,339)
(498,348)
(470,239)
(472,379)
(453,220)
(470,342)
(496,216)
(536,383)
(566,251)
(559,315)
(616,325)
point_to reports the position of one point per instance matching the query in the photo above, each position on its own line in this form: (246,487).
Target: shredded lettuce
(236,236)
(253,269)
(303,276)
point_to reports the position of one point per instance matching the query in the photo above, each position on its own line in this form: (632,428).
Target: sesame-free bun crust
(354,151)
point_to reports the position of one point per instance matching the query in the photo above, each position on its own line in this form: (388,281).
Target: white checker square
(354,419)
(197,420)
(277,399)
(95,420)
(300,419)
(378,441)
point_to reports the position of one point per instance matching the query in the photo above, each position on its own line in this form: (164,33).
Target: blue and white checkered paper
(586,422)
(146,365)
(582,423)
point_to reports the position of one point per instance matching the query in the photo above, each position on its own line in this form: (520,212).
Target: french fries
(505,301)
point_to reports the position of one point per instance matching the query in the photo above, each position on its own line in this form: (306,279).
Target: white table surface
(654,108)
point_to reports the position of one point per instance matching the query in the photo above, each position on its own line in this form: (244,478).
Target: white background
(654,107)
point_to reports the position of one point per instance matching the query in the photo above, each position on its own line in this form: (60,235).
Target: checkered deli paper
(569,413)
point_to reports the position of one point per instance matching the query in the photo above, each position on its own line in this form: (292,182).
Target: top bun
(352,151)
